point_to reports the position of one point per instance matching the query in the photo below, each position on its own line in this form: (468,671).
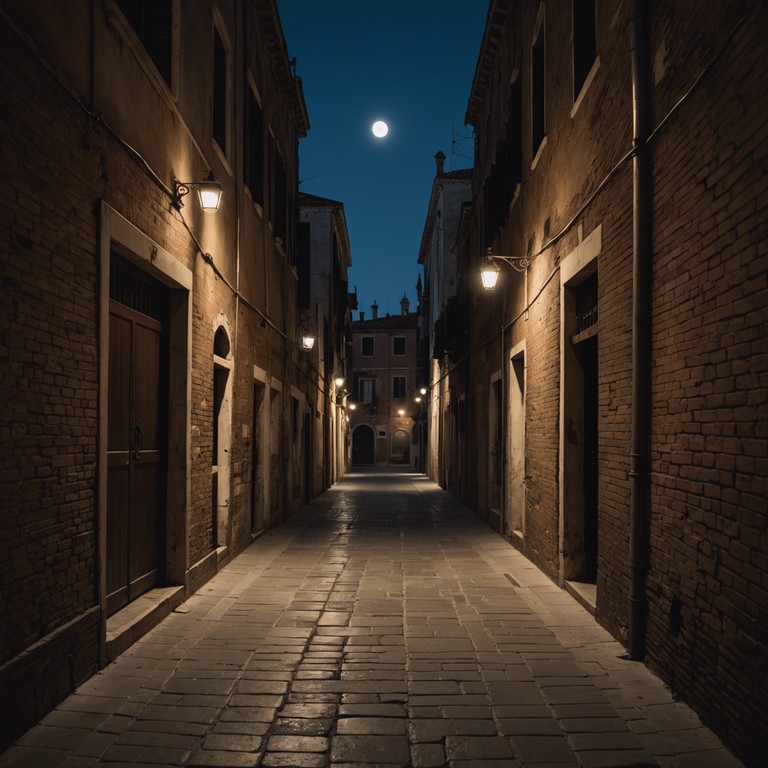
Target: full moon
(380,129)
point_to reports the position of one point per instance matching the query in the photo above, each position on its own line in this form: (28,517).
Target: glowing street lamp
(489,272)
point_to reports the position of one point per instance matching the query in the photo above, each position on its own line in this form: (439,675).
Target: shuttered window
(152,21)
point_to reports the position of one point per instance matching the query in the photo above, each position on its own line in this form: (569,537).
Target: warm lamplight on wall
(307,340)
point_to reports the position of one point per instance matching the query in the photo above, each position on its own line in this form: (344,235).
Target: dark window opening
(221,343)
(584,42)
(398,345)
(254,149)
(305,231)
(538,124)
(367,342)
(514,141)
(398,387)
(278,193)
(152,21)
(219,91)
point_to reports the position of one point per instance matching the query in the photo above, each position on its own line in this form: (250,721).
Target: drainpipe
(641,339)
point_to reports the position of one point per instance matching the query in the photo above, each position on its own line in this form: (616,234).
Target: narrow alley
(384,624)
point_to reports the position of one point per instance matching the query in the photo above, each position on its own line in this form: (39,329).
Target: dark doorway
(363,445)
(308,495)
(587,352)
(257,470)
(136,434)
(400,447)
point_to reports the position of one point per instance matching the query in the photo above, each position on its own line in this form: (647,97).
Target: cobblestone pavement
(384,625)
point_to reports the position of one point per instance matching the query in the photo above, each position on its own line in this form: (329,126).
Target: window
(398,345)
(219,91)
(538,88)
(278,190)
(254,148)
(398,387)
(584,42)
(152,21)
(304,252)
(586,303)
(513,142)
(367,342)
(367,390)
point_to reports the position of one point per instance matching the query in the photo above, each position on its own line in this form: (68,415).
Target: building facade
(443,318)
(158,408)
(381,402)
(325,309)
(608,412)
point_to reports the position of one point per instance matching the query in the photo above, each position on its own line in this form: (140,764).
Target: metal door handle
(138,436)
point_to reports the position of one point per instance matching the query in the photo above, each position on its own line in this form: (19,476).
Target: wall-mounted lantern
(208,191)
(489,272)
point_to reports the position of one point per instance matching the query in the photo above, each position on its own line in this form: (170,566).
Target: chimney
(362,315)
(439,162)
(374,310)
(404,305)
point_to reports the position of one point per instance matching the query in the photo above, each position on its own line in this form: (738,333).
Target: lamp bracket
(520,263)
(180,189)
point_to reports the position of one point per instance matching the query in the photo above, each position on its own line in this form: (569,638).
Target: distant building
(444,319)
(381,402)
(324,309)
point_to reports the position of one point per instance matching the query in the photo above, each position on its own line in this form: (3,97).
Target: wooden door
(136,437)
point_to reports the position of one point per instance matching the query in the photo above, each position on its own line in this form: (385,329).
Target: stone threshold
(129,624)
(584,592)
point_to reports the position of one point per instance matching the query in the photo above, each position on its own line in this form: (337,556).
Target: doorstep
(584,592)
(126,626)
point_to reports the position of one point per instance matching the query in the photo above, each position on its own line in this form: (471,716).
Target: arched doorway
(363,440)
(401,442)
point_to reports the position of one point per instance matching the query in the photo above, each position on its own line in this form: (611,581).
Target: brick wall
(49,395)
(615,400)
(708,592)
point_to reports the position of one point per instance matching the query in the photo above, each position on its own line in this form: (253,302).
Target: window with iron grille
(129,288)
(586,303)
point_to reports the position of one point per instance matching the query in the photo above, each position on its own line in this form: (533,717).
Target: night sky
(410,64)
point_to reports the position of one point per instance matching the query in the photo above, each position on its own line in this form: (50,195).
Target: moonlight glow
(380,129)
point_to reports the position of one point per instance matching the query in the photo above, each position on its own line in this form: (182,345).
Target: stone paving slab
(383,625)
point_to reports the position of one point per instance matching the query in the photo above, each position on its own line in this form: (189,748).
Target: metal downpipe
(641,338)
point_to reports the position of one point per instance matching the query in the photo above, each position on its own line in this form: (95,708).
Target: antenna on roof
(456,138)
